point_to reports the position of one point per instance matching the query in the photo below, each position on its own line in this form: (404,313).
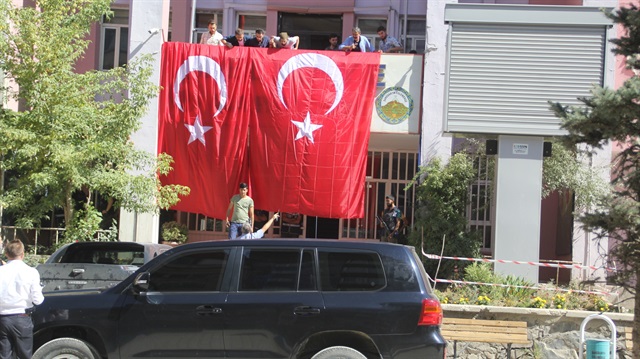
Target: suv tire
(67,348)
(338,353)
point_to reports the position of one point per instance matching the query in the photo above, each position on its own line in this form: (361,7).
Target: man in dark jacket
(239,39)
(259,40)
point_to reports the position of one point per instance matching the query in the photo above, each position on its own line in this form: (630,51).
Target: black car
(253,299)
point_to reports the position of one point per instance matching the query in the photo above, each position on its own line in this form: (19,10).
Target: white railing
(32,236)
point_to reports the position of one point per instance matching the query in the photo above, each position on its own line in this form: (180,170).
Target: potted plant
(174,233)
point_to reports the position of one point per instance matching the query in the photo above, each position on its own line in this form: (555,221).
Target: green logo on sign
(394,105)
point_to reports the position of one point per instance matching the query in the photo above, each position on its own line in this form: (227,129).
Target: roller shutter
(501,76)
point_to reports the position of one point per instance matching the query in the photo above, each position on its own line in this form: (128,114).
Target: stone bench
(484,331)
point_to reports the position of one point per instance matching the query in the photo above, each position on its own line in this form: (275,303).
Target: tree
(72,131)
(442,196)
(613,115)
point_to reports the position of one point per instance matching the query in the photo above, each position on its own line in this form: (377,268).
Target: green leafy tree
(613,115)
(442,196)
(72,131)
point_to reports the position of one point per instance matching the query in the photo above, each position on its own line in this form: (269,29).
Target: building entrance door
(312,29)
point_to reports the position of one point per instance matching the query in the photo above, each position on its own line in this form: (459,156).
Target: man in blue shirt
(247,228)
(356,42)
(388,44)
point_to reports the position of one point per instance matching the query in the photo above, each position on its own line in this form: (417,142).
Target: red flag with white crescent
(203,122)
(310,133)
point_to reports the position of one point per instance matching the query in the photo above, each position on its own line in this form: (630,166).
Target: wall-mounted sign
(521,149)
(399,94)
(394,105)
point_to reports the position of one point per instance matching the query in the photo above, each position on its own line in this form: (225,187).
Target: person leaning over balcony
(284,41)
(259,40)
(247,228)
(388,44)
(242,207)
(239,39)
(213,37)
(20,291)
(356,42)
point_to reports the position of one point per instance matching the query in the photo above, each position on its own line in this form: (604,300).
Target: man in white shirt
(20,291)
(284,41)
(213,37)
(246,229)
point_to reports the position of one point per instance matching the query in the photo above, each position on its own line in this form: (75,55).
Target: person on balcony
(333,43)
(259,40)
(285,42)
(239,39)
(356,42)
(388,44)
(213,37)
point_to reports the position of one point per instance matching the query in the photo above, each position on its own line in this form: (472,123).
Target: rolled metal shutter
(502,76)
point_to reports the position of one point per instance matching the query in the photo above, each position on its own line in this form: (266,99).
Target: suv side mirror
(141,283)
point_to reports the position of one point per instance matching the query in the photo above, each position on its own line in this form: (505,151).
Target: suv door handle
(207,310)
(76,271)
(306,310)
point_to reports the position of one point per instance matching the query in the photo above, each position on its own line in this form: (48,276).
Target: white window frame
(412,40)
(116,52)
(118,28)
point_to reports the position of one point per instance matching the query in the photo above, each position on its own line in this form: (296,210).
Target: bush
(175,232)
(442,197)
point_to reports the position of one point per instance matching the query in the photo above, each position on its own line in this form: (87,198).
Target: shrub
(442,197)
(174,232)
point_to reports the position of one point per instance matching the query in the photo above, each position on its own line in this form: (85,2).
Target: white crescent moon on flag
(318,61)
(204,64)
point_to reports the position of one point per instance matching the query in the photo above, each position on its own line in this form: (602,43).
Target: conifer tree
(614,115)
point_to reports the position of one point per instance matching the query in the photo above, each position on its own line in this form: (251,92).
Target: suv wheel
(65,348)
(338,353)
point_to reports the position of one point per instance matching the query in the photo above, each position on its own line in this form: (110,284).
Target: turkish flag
(310,133)
(204,121)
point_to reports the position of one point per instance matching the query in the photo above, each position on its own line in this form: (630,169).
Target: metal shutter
(501,76)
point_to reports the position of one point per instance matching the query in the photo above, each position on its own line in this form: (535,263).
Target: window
(202,24)
(114,35)
(193,272)
(479,212)
(199,222)
(275,270)
(416,35)
(350,271)
(387,173)
(249,23)
(369,28)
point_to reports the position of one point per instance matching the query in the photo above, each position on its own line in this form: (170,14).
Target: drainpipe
(404,25)
(193,20)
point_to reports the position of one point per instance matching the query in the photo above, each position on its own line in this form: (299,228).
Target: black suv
(253,299)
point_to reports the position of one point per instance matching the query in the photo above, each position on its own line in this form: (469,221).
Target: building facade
(395,152)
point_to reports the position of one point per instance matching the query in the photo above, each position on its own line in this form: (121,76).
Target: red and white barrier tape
(549,265)
(555,289)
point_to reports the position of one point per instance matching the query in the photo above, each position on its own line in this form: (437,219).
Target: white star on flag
(306,128)
(197,131)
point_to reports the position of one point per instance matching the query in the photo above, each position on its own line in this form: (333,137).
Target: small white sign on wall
(520,149)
